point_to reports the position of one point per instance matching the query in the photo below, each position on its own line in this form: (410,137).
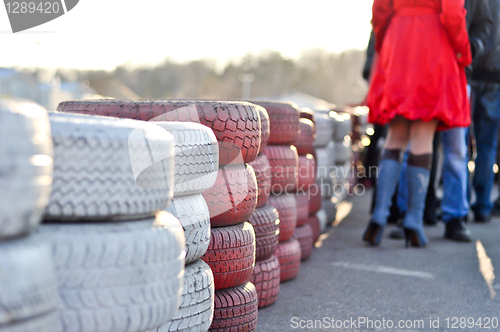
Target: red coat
(423,48)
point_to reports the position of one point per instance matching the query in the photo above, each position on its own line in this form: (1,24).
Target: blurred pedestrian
(486,117)
(418,86)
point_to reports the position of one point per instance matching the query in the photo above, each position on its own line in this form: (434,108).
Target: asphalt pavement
(348,285)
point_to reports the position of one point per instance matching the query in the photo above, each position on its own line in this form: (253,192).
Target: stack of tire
(119,258)
(326,171)
(196,166)
(284,162)
(304,232)
(231,201)
(28,292)
(265,220)
(343,155)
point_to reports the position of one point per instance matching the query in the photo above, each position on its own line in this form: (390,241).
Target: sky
(102,34)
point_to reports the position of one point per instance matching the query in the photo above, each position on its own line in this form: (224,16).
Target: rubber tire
(306,172)
(302,199)
(307,136)
(284,121)
(235,124)
(289,255)
(287,210)
(233,198)
(307,113)
(26,166)
(196,157)
(192,212)
(325,160)
(266,224)
(314,222)
(197,305)
(304,234)
(28,284)
(325,127)
(284,162)
(235,309)
(343,126)
(265,126)
(104,170)
(343,152)
(315,197)
(231,255)
(117,277)
(44,323)
(263,174)
(329,206)
(266,278)
(323,220)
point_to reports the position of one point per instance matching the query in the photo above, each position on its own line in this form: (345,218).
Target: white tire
(25,166)
(197,306)
(106,168)
(117,277)
(323,219)
(192,212)
(325,160)
(343,152)
(343,126)
(45,323)
(28,285)
(196,157)
(324,129)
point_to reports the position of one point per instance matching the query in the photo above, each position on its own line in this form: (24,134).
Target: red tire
(233,198)
(287,210)
(266,223)
(307,135)
(284,121)
(266,278)
(231,255)
(235,124)
(235,309)
(307,113)
(288,254)
(315,198)
(306,172)
(302,199)
(263,174)
(304,234)
(284,162)
(313,221)
(265,128)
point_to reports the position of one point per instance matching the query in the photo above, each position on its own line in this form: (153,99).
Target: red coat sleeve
(382,14)
(453,18)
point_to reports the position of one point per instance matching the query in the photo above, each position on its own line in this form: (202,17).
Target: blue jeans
(486,116)
(454,203)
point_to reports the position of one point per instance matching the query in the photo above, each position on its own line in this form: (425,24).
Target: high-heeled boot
(388,176)
(418,183)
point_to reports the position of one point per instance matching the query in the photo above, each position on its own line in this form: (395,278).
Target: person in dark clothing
(486,116)
(455,203)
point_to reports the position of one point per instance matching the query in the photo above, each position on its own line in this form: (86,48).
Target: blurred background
(302,51)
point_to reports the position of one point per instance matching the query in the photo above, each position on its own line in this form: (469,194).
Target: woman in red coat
(418,85)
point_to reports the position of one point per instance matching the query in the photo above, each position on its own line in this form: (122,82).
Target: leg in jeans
(486,122)
(455,204)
